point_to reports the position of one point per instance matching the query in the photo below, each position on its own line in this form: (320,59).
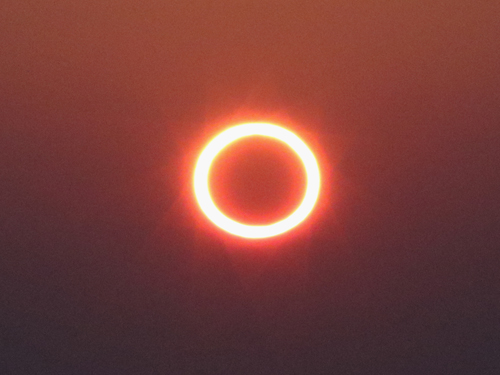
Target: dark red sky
(106,265)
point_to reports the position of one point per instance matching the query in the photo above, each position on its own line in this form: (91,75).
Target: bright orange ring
(201,183)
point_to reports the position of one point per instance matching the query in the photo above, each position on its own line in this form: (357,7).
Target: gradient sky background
(107,267)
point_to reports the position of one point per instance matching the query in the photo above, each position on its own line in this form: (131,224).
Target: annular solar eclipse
(232,134)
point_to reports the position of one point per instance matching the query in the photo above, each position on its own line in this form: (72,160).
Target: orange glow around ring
(216,145)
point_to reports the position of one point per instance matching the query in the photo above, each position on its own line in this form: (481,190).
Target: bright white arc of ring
(217,144)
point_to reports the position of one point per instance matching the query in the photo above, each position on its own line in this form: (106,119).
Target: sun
(234,133)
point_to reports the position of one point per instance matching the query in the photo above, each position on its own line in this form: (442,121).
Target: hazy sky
(107,266)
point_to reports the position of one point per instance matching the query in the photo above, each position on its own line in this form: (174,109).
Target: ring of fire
(216,145)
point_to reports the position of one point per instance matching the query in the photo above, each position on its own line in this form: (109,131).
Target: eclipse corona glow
(232,134)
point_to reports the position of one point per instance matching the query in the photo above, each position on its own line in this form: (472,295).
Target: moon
(234,133)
